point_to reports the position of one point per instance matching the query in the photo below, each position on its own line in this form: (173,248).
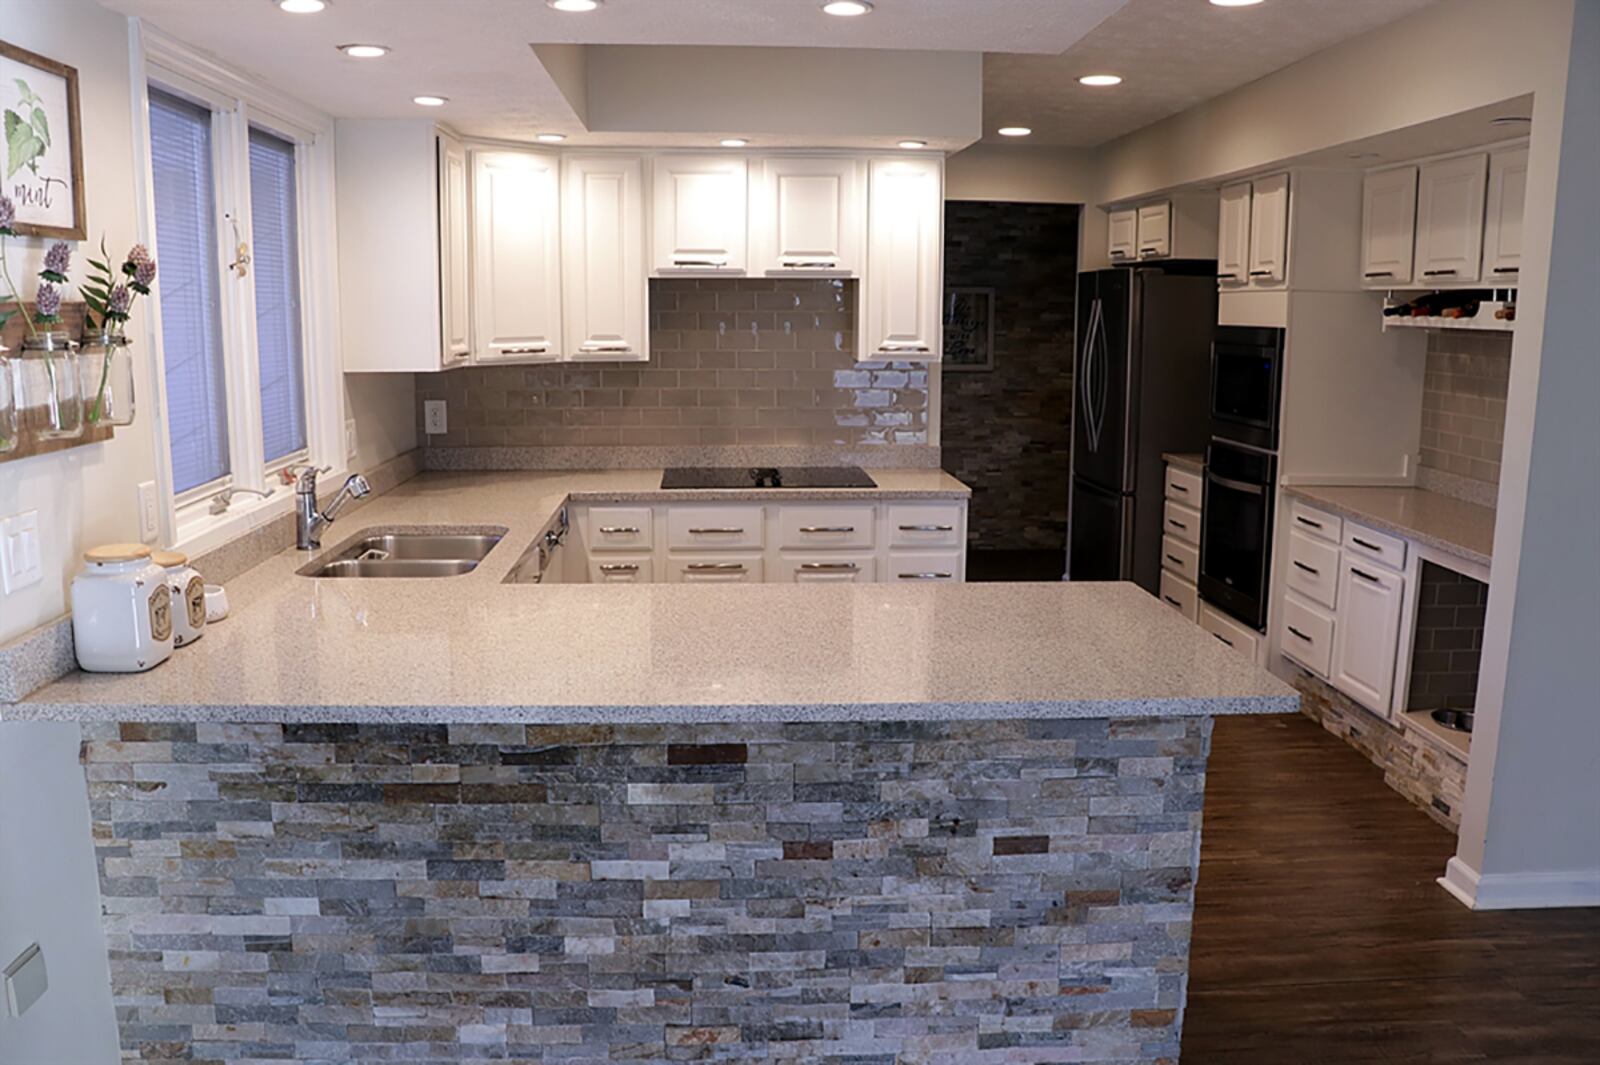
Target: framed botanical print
(968,329)
(41,159)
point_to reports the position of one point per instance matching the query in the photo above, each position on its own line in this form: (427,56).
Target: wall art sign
(968,329)
(41,158)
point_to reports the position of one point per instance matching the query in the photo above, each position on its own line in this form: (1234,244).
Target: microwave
(1246,383)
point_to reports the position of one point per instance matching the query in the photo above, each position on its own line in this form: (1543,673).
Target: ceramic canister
(188,597)
(121,610)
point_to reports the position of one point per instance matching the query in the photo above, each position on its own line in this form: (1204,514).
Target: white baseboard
(1520,891)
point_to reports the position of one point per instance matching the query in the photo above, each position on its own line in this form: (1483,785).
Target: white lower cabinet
(1180,595)
(936,567)
(1307,634)
(1366,643)
(612,569)
(828,569)
(708,569)
(1231,633)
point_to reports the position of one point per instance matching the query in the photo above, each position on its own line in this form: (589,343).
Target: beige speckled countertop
(473,648)
(1194,463)
(1443,522)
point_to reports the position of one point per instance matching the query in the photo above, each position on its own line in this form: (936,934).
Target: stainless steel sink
(408,555)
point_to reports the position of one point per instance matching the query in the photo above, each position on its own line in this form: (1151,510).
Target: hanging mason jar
(8,403)
(48,398)
(105,379)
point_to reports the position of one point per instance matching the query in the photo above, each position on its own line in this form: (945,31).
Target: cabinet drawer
(713,569)
(619,529)
(1307,634)
(714,528)
(1313,568)
(1362,542)
(1316,522)
(813,527)
(1180,557)
(929,567)
(1234,634)
(616,570)
(1183,486)
(1181,522)
(925,524)
(1180,595)
(825,568)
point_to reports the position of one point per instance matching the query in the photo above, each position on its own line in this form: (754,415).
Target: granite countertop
(472,648)
(1193,462)
(1443,522)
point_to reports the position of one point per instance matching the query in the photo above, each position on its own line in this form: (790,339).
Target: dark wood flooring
(1320,937)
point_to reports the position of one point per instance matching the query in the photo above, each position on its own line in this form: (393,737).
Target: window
(276,259)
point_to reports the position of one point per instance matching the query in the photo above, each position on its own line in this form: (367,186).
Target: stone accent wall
(1434,779)
(747,361)
(1008,432)
(1450,617)
(1464,403)
(951,893)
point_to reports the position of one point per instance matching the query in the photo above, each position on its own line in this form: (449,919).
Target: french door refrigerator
(1141,387)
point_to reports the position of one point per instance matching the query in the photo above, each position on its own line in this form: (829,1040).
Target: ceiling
(1172,55)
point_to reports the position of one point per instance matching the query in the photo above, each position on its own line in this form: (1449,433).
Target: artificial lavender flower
(144,273)
(118,303)
(48,302)
(8,214)
(138,254)
(57,261)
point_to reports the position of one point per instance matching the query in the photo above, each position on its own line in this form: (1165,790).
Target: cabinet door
(1123,235)
(1450,219)
(731,570)
(1502,232)
(1155,230)
(1388,226)
(516,256)
(809,215)
(701,214)
(1233,235)
(830,569)
(602,252)
(456,321)
(1269,230)
(1367,636)
(905,254)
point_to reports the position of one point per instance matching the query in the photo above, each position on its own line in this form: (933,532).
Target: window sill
(200,531)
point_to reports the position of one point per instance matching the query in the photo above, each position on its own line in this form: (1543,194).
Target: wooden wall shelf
(30,445)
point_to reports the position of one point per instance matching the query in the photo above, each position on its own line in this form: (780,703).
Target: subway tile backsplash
(747,361)
(1464,403)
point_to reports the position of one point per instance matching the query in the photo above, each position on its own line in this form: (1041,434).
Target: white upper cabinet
(454,269)
(603,256)
(1155,230)
(701,214)
(1123,235)
(1502,233)
(905,254)
(1269,230)
(808,214)
(1450,197)
(516,256)
(1388,226)
(1233,235)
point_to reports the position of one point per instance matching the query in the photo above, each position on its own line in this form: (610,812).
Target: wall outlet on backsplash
(435,417)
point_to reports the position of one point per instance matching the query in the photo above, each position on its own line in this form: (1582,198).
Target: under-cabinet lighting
(1100,81)
(302,7)
(364,51)
(1235,3)
(1014,131)
(734,142)
(430,101)
(551,138)
(847,8)
(573,5)
(913,144)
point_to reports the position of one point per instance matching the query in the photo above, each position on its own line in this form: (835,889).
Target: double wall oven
(1241,471)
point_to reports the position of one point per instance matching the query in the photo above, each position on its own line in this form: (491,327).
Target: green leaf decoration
(26,95)
(41,125)
(23,145)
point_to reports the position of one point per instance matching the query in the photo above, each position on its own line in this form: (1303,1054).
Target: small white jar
(121,610)
(188,597)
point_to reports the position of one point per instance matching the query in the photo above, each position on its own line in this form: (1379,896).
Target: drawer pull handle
(619,530)
(927,528)
(892,347)
(1227,277)
(715,531)
(1176,487)
(1380,273)
(825,566)
(1261,273)
(1148,251)
(1505,270)
(1224,639)
(531,349)
(1309,569)
(1438,273)
(1307,521)
(812,264)
(827,528)
(1296,632)
(1365,576)
(620,567)
(597,346)
(678,260)
(1175,558)
(925,576)
(724,567)
(1173,601)
(1175,523)
(1362,543)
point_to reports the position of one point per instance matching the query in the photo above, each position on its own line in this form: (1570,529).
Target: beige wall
(1022,175)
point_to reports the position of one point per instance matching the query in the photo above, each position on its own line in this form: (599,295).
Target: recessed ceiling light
(913,144)
(302,7)
(551,138)
(734,142)
(1014,131)
(364,51)
(430,101)
(1100,80)
(573,5)
(847,8)
(1236,3)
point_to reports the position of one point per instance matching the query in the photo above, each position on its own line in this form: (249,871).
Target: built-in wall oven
(1236,533)
(1246,380)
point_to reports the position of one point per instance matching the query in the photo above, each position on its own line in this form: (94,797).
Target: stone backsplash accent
(1451,608)
(858,894)
(749,361)
(1434,779)
(1464,403)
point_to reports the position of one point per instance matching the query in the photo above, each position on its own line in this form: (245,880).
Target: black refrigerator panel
(1100,379)
(1101,547)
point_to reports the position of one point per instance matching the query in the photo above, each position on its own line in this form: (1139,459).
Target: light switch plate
(435,417)
(20,563)
(149,513)
(350,439)
(26,980)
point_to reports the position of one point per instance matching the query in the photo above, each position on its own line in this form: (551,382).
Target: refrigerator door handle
(1093,385)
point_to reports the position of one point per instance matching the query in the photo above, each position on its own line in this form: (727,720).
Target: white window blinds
(191,317)
(276,261)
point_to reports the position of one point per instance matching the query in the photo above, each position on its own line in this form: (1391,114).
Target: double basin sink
(408,555)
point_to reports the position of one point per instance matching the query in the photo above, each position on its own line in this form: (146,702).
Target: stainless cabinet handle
(678,261)
(530,349)
(715,531)
(812,264)
(1296,632)
(1224,639)
(892,347)
(1227,277)
(1362,543)
(1438,273)
(1308,521)
(1261,273)
(1148,251)
(619,530)
(1237,486)
(1379,273)
(1118,253)
(827,528)
(724,567)
(927,528)
(1506,270)
(594,346)
(619,567)
(1309,569)
(925,576)
(838,566)
(1365,576)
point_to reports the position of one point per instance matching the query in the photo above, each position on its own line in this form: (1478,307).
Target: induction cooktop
(767,477)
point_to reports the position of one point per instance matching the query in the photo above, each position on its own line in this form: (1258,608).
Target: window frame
(237,105)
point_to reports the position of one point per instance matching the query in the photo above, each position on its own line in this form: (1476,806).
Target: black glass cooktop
(767,477)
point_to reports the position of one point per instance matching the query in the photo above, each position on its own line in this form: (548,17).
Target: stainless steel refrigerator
(1140,388)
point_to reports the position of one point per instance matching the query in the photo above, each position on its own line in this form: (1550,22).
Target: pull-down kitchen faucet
(309,521)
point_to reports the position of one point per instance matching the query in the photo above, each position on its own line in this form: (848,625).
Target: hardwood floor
(1320,937)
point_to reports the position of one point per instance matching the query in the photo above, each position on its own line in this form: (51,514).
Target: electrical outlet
(435,417)
(149,513)
(20,563)
(26,980)
(350,439)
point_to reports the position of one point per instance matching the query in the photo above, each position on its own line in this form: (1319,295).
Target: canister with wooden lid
(188,597)
(121,610)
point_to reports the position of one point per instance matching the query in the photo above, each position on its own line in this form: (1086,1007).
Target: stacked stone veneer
(849,893)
